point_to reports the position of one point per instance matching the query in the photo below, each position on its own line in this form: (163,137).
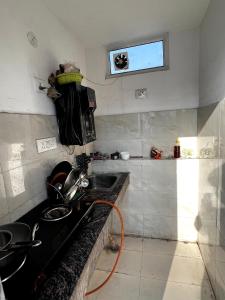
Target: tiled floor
(152,269)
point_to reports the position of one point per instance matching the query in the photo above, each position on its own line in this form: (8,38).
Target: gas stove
(56,237)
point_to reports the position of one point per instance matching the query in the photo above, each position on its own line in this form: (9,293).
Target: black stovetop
(54,236)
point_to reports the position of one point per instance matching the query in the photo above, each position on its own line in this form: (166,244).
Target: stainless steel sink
(103,182)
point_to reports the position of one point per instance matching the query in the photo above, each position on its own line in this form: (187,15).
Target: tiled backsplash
(161,201)
(138,132)
(23,170)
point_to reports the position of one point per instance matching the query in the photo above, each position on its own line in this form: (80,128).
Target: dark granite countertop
(62,282)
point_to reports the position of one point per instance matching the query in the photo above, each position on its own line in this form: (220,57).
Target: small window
(139,58)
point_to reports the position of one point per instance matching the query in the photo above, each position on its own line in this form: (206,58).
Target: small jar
(176,149)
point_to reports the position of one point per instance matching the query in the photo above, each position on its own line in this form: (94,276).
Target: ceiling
(104,22)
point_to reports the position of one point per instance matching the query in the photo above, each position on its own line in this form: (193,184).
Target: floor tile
(132,243)
(130,262)
(152,289)
(156,246)
(162,271)
(175,269)
(120,286)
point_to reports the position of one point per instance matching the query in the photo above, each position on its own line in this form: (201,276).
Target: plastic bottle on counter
(176,150)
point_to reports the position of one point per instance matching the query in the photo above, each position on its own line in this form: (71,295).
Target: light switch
(141,93)
(40,85)
(46,144)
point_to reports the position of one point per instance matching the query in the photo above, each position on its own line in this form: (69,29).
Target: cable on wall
(101,84)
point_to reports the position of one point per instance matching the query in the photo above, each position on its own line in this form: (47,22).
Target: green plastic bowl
(68,78)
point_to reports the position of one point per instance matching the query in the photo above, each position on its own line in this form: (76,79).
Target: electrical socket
(141,93)
(39,82)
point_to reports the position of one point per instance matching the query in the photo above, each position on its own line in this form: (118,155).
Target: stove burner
(56,213)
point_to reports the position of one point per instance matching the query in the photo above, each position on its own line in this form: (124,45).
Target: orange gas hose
(120,248)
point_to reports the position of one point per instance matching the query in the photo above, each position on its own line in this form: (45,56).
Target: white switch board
(141,93)
(46,144)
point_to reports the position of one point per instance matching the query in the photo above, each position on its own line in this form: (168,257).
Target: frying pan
(62,167)
(68,177)
(68,181)
(5,238)
(59,178)
(6,242)
(58,175)
(15,240)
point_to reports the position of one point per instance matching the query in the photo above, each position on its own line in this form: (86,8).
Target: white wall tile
(118,127)
(160,176)
(182,229)
(133,223)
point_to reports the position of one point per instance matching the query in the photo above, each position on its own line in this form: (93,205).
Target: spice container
(176,150)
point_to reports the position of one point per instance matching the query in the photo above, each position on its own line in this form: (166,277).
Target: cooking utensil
(56,213)
(5,238)
(65,182)
(72,190)
(71,179)
(71,193)
(55,186)
(62,167)
(35,229)
(20,233)
(19,245)
(59,178)
(84,183)
(74,186)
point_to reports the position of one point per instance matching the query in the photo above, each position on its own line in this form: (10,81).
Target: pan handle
(26,244)
(35,229)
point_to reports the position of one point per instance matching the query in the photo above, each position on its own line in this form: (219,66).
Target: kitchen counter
(63,280)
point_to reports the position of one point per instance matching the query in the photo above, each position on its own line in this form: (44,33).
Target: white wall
(19,61)
(173,89)
(212,54)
